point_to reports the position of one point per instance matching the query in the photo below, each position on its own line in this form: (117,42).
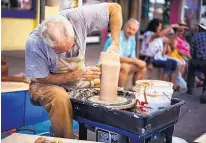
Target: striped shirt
(198,46)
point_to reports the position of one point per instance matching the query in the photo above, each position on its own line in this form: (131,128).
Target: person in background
(179,49)
(198,61)
(154,50)
(5,73)
(154,30)
(55,55)
(127,51)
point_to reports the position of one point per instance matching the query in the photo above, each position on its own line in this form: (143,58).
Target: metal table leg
(82,132)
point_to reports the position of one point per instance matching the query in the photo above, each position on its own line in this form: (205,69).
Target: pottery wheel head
(124,99)
(120,103)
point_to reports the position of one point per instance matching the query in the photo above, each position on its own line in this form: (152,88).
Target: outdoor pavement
(192,121)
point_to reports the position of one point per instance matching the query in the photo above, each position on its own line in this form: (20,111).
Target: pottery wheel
(124,101)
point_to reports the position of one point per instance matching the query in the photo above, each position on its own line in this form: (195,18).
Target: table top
(13,86)
(25,138)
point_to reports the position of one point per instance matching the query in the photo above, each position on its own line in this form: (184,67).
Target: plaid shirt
(198,46)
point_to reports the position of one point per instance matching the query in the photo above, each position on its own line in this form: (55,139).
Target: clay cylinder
(110,69)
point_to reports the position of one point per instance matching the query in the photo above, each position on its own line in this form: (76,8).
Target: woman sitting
(154,30)
(159,48)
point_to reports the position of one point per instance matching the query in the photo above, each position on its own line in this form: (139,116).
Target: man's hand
(92,72)
(113,48)
(97,83)
(89,73)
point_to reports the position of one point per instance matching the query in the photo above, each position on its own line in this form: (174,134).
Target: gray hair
(62,22)
(133,20)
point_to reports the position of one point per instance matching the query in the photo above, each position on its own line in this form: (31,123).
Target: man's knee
(59,94)
(144,69)
(59,98)
(125,68)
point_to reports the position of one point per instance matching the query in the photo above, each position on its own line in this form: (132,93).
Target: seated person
(198,61)
(159,48)
(5,76)
(128,60)
(154,30)
(177,53)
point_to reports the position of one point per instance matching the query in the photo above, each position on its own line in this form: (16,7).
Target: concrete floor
(192,120)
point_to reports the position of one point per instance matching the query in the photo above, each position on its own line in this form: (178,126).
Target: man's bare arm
(59,79)
(127,60)
(135,61)
(115,22)
(64,78)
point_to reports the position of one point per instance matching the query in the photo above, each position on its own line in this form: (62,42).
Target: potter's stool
(35,103)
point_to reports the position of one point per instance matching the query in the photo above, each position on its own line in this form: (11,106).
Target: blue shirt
(127,46)
(198,46)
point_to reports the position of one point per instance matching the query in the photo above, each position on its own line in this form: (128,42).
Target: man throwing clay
(129,62)
(55,53)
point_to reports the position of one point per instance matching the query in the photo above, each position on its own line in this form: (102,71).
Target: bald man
(55,53)
(129,62)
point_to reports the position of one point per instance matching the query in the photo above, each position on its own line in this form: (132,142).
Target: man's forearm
(115,13)
(126,60)
(134,61)
(58,79)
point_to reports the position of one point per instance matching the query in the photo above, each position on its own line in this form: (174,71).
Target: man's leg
(191,76)
(123,76)
(203,95)
(139,72)
(56,101)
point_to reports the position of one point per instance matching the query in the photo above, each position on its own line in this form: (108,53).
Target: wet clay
(110,68)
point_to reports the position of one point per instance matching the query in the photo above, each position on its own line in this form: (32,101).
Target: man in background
(198,61)
(127,51)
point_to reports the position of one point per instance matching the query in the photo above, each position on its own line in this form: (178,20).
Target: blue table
(16,109)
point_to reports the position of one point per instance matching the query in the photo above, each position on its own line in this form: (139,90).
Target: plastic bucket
(153,95)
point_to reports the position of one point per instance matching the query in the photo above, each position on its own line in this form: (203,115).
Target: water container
(153,95)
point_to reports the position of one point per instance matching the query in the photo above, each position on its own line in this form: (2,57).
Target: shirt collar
(122,36)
